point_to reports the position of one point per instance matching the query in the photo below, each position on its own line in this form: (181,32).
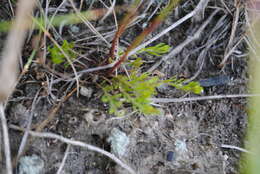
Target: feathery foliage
(137,88)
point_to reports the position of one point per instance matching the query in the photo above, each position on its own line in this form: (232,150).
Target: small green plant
(156,50)
(57,57)
(137,89)
(193,86)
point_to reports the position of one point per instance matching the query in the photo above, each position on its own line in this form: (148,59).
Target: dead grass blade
(13,47)
(154,24)
(213,97)
(72,18)
(9,65)
(6,141)
(122,26)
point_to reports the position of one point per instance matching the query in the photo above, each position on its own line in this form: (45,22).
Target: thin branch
(87,23)
(77,143)
(9,63)
(201,58)
(122,27)
(26,134)
(151,27)
(11,7)
(226,7)
(64,160)
(110,10)
(214,97)
(6,141)
(13,47)
(232,36)
(187,41)
(199,7)
(235,147)
(228,54)
(96,68)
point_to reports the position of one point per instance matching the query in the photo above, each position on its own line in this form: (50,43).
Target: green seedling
(156,50)
(180,84)
(57,57)
(137,89)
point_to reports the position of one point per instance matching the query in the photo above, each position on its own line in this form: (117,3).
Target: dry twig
(187,41)
(26,135)
(13,47)
(64,160)
(9,65)
(199,7)
(232,36)
(235,147)
(6,140)
(214,97)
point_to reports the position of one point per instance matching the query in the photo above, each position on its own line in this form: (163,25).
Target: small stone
(21,114)
(31,165)
(170,156)
(86,92)
(119,142)
(180,146)
(74,29)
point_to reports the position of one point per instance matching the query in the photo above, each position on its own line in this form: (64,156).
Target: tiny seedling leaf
(57,57)
(157,50)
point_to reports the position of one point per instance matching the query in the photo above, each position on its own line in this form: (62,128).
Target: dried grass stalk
(13,47)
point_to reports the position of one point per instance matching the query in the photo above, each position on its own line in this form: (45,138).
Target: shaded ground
(186,138)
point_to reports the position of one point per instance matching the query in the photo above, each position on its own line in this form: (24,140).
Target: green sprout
(136,91)
(57,57)
(156,50)
(137,88)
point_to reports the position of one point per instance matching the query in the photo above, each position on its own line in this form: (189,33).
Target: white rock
(31,165)
(87,92)
(119,142)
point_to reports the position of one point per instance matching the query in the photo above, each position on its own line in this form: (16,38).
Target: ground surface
(186,138)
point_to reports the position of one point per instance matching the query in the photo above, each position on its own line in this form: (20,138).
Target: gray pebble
(86,92)
(74,29)
(21,114)
(119,142)
(31,165)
